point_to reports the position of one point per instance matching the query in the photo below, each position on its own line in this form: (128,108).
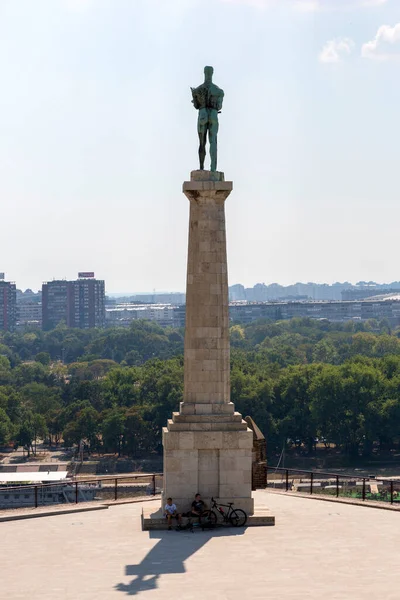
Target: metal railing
(106,489)
(370,488)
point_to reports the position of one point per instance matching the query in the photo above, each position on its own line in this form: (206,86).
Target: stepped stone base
(154,520)
(210,423)
(213,459)
(206,409)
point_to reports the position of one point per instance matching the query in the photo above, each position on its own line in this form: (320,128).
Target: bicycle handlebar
(215,503)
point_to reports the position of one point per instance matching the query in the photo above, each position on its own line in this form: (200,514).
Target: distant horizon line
(160,292)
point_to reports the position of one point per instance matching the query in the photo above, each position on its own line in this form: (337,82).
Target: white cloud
(256,3)
(307,5)
(318,5)
(78,5)
(313,5)
(373,2)
(334,50)
(381,47)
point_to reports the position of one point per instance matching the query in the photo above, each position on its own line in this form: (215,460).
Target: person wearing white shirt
(172,513)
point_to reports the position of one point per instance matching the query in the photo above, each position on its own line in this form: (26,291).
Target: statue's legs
(202,126)
(202,148)
(212,135)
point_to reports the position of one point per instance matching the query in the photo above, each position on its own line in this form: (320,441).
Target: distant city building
(370,292)
(166,315)
(155,298)
(77,303)
(28,296)
(332,311)
(237,292)
(56,304)
(29,309)
(29,314)
(8,305)
(311,291)
(122,315)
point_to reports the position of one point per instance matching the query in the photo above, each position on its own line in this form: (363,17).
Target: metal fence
(368,488)
(103,489)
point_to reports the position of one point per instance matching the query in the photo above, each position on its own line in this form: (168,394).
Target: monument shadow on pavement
(166,557)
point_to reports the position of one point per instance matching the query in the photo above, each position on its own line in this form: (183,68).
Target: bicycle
(233,516)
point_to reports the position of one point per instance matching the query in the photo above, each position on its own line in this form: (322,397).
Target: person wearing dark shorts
(198,506)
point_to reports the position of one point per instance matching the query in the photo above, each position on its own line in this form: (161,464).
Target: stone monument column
(207,366)
(207,445)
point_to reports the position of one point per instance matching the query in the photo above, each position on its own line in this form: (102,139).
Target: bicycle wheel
(208,519)
(238,517)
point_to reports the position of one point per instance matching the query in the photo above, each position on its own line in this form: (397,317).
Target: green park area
(311,386)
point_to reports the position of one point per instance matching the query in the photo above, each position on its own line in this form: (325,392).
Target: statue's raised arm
(207,99)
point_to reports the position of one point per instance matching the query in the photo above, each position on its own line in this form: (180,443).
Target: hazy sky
(97,134)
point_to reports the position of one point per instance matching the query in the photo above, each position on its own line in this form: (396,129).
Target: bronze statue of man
(207,99)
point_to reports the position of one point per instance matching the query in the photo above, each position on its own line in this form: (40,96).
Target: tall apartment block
(8,304)
(77,303)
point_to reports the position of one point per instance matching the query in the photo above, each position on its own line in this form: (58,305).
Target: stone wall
(259,456)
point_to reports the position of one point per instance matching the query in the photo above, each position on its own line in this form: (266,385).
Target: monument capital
(206,185)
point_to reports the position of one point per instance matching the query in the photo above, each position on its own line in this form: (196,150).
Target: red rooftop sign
(86,275)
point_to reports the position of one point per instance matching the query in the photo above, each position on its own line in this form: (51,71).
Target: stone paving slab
(354,501)
(13,514)
(317,550)
(45,512)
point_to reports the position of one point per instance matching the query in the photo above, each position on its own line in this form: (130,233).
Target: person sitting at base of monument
(172,513)
(198,506)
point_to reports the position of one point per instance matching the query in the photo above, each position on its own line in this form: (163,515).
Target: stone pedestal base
(209,462)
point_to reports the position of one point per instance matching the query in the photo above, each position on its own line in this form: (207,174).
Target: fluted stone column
(207,445)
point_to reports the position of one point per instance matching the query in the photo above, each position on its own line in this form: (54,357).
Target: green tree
(121,387)
(133,358)
(10,401)
(40,398)
(31,372)
(292,393)
(137,433)
(345,402)
(254,396)
(40,430)
(54,424)
(325,352)
(43,358)
(5,370)
(84,427)
(6,428)
(26,432)
(113,429)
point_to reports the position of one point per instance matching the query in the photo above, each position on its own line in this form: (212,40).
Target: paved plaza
(317,550)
